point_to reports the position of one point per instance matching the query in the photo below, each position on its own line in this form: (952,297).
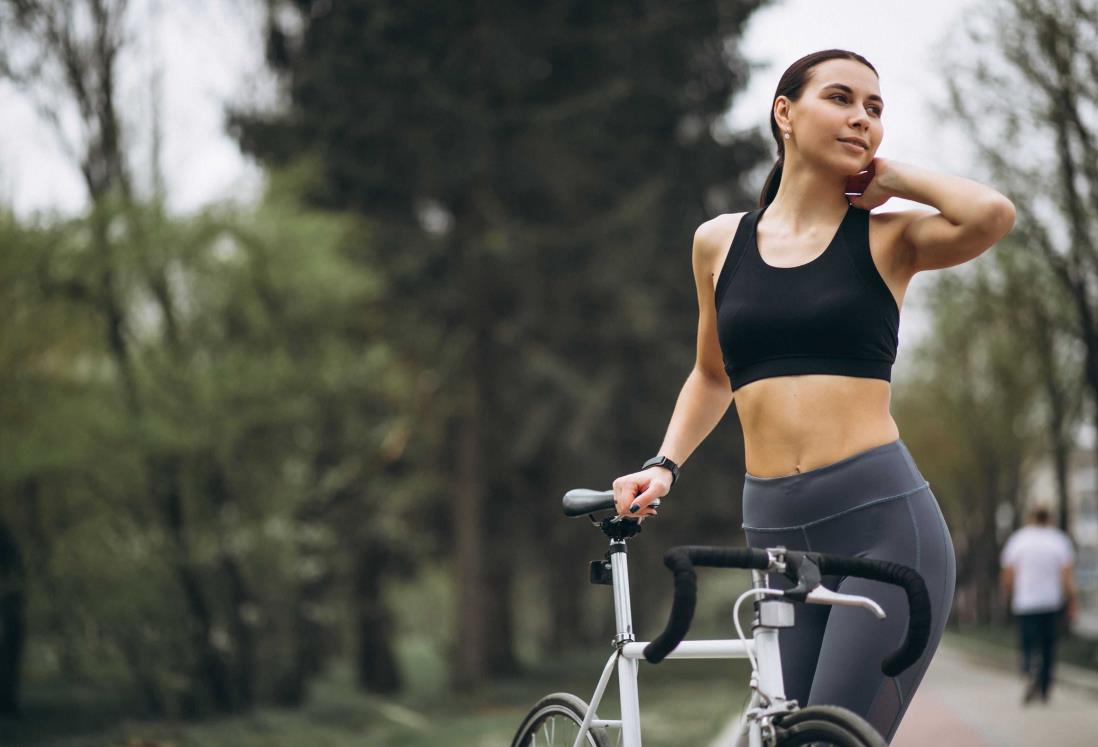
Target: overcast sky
(210,53)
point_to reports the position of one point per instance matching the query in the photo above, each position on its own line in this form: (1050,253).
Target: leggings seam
(915,527)
(873,700)
(918,569)
(900,698)
(947,550)
(844,512)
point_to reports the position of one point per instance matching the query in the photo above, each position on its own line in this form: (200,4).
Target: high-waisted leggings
(872,504)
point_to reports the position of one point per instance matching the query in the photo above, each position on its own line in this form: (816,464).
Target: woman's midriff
(794,424)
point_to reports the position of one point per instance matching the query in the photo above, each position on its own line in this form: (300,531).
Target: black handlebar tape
(918,601)
(681,560)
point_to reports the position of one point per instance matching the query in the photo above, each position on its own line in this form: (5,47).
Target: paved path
(969,699)
(967,693)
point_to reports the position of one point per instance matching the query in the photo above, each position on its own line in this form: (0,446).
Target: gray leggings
(874,504)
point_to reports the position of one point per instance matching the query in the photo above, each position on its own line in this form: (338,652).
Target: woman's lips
(854,146)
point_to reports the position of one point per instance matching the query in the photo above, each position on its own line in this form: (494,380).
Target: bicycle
(770,719)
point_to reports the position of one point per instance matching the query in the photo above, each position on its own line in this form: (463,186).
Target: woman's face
(842,100)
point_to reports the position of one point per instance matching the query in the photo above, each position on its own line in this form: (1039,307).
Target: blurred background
(313,309)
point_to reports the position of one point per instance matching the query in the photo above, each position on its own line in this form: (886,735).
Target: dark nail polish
(634,508)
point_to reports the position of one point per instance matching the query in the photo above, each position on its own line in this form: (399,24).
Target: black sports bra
(831,315)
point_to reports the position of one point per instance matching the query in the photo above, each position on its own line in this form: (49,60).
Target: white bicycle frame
(767,686)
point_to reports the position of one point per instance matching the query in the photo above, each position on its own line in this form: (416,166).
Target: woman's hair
(791,86)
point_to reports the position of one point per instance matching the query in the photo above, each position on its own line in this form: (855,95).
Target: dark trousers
(1037,634)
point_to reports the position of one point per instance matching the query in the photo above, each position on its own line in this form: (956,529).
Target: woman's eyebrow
(848,89)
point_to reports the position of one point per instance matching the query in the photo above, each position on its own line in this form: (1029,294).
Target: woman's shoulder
(715,234)
(713,242)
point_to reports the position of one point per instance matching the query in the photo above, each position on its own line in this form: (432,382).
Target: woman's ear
(781,113)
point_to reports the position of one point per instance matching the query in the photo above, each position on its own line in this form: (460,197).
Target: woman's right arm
(707,393)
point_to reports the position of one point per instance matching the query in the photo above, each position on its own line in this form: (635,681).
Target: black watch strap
(662,461)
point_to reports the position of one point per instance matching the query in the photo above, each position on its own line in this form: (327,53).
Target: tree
(1030,92)
(530,171)
(228,391)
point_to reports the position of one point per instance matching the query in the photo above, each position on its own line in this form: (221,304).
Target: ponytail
(770,186)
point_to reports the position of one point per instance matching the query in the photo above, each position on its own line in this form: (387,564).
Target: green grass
(1003,640)
(682,702)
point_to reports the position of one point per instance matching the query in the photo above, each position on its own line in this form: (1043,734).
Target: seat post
(627,667)
(623,611)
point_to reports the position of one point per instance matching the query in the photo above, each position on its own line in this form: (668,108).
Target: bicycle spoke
(541,728)
(548,730)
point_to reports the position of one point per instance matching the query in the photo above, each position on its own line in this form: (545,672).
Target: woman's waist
(781,446)
(877,474)
(813,409)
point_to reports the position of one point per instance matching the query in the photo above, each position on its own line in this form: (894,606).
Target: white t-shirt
(1038,554)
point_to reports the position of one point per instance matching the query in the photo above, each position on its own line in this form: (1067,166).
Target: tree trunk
(469,651)
(1059,419)
(240,598)
(377,665)
(13,620)
(986,546)
(566,608)
(307,633)
(499,584)
(308,638)
(1060,456)
(143,676)
(212,672)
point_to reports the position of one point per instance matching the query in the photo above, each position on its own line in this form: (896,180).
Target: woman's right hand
(641,489)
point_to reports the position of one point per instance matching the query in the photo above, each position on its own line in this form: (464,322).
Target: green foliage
(289,394)
(534,177)
(997,378)
(191,476)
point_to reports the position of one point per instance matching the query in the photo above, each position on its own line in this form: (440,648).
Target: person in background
(1037,579)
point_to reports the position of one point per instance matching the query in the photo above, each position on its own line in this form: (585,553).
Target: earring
(787,135)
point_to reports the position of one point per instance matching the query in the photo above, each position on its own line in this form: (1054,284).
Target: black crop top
(832,315)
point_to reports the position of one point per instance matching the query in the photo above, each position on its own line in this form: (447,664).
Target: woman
(799,305)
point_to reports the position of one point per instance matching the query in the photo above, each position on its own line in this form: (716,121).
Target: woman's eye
(843,97)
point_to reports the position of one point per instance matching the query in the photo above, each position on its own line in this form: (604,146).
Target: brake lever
(823,595)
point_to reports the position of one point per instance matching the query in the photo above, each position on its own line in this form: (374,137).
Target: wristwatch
(662,461)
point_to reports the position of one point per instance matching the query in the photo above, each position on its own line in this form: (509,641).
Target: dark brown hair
(1041,514)
(792,85)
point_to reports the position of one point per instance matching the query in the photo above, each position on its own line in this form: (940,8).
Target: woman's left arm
(971,216)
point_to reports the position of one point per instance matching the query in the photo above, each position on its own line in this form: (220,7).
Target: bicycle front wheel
(827,725)
(556,720)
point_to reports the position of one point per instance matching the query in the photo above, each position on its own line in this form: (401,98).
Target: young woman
(799,305)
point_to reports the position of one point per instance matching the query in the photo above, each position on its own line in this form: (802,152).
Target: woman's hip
(875,503)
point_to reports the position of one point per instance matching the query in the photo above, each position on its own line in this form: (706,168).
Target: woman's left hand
(868,184)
